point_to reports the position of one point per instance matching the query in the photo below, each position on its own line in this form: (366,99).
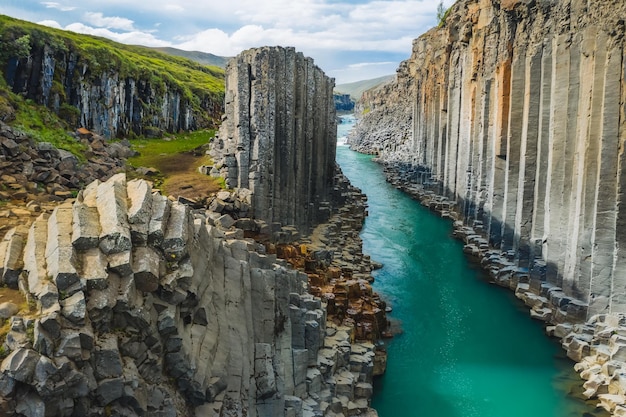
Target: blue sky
(350,40)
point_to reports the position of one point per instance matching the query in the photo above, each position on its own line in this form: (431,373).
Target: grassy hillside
(103,54)
(357,88)
(21,41)
(197,56)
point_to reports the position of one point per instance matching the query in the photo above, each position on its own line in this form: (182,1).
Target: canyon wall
(516,112)
(278,136)
(115,90)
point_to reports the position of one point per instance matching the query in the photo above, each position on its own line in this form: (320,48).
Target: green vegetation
(44,126)
(152,151)
(100,54)
(442,14)
(201,86)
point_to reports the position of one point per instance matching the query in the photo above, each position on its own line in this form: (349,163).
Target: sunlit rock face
(515,111)
(278,136)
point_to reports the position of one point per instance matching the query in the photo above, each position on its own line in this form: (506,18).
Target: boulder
(8,309)
(108,362)
(20,364)
(146,267)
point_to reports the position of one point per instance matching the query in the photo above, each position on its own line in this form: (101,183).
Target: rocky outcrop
(278,136)
(39,171)
(514,112)
(145,307)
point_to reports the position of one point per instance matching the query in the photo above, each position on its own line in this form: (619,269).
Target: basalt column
(278,136)
(519,121)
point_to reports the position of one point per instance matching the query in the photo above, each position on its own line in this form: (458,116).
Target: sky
(350,40)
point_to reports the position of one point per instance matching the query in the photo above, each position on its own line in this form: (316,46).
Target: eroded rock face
(278,136)
(143,326)
(514,111)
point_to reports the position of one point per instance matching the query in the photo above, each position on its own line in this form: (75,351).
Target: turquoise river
(467,347)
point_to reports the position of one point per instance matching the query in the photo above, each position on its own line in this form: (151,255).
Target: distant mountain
(355,89)
(197,56)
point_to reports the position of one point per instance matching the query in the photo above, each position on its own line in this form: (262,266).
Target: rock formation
(278,136)
(514,111)
(143,305)
(30,170)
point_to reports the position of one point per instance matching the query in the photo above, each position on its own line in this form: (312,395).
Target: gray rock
(158,220)
(146,267)
(46,377)
(121,263)
(113,211)
(109,390)
(20,364)
(7,310)
(140,210)
(224,222)
(93,268)
(108,362)
(177,233)
(74,307)
(60,257)
(86,226)
(31,405)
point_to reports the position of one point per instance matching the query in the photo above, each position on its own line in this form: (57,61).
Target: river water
(467,348)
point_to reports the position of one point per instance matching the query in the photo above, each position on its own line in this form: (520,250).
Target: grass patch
(154,152)
(44,126)
(178,164)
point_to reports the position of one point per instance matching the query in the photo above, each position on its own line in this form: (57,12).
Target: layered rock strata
(278,135)
(514,111)
(145,307)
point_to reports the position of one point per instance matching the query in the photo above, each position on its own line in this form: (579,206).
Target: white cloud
(369,64)
(116,22)
(58,6)
(174,8)
(133,37)
(50,23)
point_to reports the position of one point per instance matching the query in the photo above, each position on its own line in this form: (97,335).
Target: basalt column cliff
(515,111)
(140,305)
(278,135)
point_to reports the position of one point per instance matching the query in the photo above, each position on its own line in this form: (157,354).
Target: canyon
(510,119)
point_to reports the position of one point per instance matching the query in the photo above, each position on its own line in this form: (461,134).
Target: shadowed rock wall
(278,136)
(516,111)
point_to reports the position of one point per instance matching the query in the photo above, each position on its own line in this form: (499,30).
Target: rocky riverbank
(597,345)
